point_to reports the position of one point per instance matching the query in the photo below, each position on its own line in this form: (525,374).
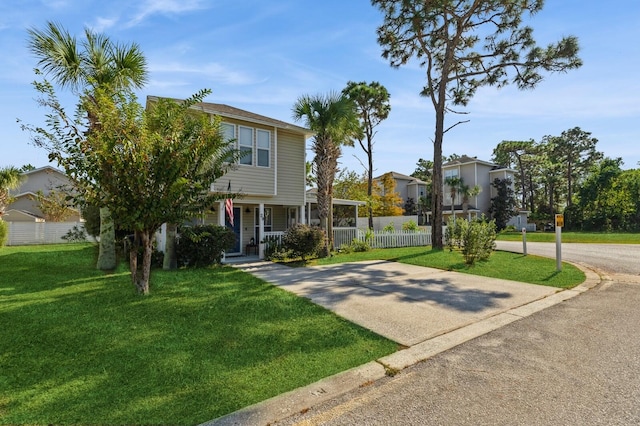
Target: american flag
(228,205)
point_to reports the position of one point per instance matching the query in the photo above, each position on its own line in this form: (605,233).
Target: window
(245,144)
(264,147)
(228,131)
(451,173)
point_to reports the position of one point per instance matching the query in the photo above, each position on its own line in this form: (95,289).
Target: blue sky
(262,55)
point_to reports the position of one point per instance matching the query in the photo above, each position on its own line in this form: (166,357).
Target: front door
(236,229)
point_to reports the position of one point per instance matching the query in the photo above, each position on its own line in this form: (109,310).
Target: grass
(574,237)
(80,347)
(505,265)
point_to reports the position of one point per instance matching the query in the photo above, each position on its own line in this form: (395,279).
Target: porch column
(302,215)
(261,230)
(221,213)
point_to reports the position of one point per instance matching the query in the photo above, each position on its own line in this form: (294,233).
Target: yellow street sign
(559,221)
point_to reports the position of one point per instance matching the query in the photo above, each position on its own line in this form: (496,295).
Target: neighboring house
(408,187)
(270,175)
(25,208)
(476,172)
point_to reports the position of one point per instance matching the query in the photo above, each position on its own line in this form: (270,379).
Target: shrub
(410,226)
(203,245)
(75,235)
(4,232)
(453,233)
(356,245)
(359,245)
(476,239)
(389,228)
(273,248)
(303,240)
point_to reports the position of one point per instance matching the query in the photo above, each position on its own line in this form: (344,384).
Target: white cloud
(152,7)
(102,24)
(211,71)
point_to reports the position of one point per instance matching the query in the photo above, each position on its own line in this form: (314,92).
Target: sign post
(559,225)
(524,241)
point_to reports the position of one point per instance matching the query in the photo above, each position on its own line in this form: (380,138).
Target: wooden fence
(381,239)
(25,233)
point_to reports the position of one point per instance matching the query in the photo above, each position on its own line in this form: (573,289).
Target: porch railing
(272,242)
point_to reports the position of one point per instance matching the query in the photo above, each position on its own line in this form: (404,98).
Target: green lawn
(574,237)
(506,265)
(80,347)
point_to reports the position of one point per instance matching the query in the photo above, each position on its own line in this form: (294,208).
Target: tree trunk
(370,185)
(436,198)
(170,259)
(142,244)
(107,248)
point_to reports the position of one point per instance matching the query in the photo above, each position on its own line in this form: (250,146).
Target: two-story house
(409,188)
(481,173)
(270,175)
(25,207)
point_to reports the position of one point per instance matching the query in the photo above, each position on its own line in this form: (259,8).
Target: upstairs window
(245,144)
(228,131)
(264,147)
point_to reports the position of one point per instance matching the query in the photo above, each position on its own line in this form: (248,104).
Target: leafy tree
(575,152)
(503,205)
(10,178)
(54,205)
(608,200)
(423,170)
(349,185)
(387,199)
(372,106)
(147,167)
(310,178)
(93,63)
(334,120)
(521,156)
(410,207)
(464,45)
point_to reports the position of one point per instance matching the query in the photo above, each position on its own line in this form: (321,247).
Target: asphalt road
(574,363)
(610,258)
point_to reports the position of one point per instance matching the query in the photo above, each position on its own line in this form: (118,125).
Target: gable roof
(48,169)
(227,111)
(400,176)
(466,159)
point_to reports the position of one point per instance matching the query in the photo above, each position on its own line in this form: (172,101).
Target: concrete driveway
(405,303)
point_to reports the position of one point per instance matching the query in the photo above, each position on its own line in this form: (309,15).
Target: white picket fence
(381,239)
(26,233)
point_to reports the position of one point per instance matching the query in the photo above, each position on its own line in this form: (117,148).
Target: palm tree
(334,120)
(10,178)
(95,62)
(467,192)
(454,183)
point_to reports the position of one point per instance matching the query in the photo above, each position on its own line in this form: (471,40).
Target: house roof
(14,213)
(223,110)
(48,169)
(466,159)
(312,197)
(397,175)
